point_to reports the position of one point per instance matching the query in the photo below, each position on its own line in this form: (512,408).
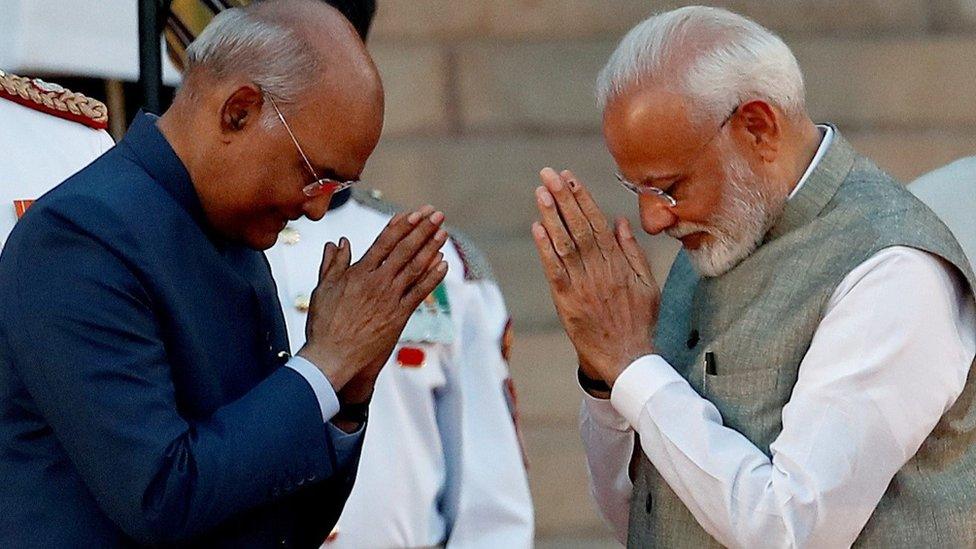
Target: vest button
(693,339)
(649,504)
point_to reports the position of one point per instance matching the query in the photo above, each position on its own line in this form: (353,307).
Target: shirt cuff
(602,412)
(638,383)
(346,445)
(324,393)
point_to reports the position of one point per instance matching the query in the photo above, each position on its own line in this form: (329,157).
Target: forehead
(338,131)
(651,128)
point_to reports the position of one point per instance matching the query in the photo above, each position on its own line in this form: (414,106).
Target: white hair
(242,41)
(716,58)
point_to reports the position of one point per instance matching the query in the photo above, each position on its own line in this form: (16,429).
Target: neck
(169,126)
(178,128)
(808,138)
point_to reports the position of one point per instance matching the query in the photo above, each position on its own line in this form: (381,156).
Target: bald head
(277,96)
(285,48)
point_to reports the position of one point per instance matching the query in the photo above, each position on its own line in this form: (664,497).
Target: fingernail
(441,235)
(427,210)
(413,218)
(442,268)
(543,194)
(437,217)
(538,231)
(625,229)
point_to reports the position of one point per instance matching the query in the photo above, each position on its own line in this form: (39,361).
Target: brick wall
(481,94)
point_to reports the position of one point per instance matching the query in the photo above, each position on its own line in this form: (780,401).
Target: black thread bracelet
(591,385)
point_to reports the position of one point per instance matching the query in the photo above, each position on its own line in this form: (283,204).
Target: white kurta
(38,151)
(441,459)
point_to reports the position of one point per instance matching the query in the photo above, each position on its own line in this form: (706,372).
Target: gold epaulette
(54,100)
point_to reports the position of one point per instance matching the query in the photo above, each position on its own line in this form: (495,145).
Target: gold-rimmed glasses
(639,189)
(321,185)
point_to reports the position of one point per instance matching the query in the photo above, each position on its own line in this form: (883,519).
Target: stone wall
(481,94)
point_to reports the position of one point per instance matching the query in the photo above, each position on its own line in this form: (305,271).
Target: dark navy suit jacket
(142,396)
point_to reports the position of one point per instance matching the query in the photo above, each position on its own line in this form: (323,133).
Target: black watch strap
(591,385)
(358,412)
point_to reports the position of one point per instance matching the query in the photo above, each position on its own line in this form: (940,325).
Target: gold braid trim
(56,98)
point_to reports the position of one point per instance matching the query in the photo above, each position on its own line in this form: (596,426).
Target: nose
(655,214)
(315,208)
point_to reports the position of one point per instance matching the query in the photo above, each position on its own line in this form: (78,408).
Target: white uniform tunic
(38,151)
(441,460)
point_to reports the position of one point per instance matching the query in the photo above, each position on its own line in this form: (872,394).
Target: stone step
(913,81)
(524,19)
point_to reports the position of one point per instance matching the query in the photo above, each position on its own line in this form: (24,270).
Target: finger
(569,209)
(562,242)
(552,265)
(396,230)
(602,232)
(420,262)
(413,243)
(633,252)
(341,262)
(424,287)
(328,256)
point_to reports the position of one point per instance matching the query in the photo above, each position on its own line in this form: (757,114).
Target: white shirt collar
(828,137)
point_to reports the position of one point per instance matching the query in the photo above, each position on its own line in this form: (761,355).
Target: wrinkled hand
(358,312)
(601,283)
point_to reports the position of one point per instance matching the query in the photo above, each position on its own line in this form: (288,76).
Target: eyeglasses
(321,185)
(643,190)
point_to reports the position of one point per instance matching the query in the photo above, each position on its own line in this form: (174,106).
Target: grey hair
(716,58)
(243,41)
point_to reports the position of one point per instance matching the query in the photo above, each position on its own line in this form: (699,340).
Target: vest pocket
(748,401)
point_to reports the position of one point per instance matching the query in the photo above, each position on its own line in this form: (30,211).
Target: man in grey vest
(807,383)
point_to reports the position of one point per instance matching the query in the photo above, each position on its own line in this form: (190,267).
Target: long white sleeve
(890,356)
(609,443)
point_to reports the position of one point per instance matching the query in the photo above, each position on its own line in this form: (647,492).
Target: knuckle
(565,249)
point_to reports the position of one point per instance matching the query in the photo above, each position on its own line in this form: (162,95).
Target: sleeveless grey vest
(758,320)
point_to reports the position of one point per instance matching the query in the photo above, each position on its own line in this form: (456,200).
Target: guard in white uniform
(951,193)
(47,133)
(441,461)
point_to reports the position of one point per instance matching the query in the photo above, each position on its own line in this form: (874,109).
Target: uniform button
(303,302)
(693,339)
(290,236)
(312,477)
(283,542)
(649,504)
(283,355)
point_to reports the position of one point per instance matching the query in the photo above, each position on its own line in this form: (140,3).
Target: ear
(758,122)
(241,109)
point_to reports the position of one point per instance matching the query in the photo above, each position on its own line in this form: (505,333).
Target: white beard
(745,215)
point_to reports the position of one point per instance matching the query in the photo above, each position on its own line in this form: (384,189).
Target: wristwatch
(357,413)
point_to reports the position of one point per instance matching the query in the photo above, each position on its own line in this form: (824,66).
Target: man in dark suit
(147,392)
